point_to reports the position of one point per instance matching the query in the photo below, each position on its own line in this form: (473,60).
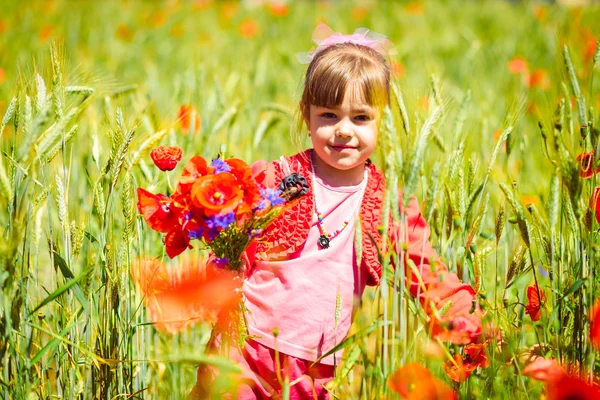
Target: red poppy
(415,382)
(533,306)
(359,13)
(156,210)
(192,171)
(518,65)
(216,194)
(538,79)
(178,297)
(544,369)
(586,161)
(248,28)
(176,242)
(595,203)
(459,324)
(187,114)
(595,325)
(246,181)
(166,157)
(124,33)
(279,8)
(570,387)
(398,70)
(475,357)
(456,369)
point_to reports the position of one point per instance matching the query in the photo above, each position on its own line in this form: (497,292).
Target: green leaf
(68,285)
(574,287)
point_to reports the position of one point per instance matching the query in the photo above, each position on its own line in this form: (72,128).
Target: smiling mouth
(342,147)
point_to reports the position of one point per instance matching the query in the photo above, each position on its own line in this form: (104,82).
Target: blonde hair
(339,68)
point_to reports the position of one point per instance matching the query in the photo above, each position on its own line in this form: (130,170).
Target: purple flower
(270,196)
(219,222)
(196,234)
(221,262)
(220,165)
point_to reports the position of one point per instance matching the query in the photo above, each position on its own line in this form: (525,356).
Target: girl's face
(343,138)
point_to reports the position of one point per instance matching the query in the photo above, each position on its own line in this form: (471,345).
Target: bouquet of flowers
(219,204)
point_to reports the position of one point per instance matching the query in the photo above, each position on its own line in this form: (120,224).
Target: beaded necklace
(325,237)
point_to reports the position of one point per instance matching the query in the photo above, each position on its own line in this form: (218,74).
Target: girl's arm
(450,303)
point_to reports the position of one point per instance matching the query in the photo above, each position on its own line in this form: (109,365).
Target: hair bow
(324,37)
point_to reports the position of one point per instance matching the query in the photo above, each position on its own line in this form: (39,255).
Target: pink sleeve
(437,288)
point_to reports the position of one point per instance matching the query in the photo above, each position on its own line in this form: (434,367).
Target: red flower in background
(569,387)
(216,194)
(460,367)
(248,28)
(538,79)
(544,369)
(456,369)
(475,357)
(279,8)
(187,114)
(179,296)
(586,161)
(166,158)
(156,210)
(518,65)
(533,306)
(595,325)
(415,382)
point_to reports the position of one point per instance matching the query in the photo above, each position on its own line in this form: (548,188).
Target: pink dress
(308,300)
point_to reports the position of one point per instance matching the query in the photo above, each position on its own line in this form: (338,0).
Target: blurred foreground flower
(595,325)
(166,157)
(571,388)
(533,306)
(189,119)
(180,296)
(415,382)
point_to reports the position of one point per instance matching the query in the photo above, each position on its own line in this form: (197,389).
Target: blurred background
(87,88)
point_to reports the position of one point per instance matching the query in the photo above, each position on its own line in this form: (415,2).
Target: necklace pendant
(323,242)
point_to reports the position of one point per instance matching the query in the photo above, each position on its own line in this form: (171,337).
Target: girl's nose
(344,128)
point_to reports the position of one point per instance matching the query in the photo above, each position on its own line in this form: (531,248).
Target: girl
(304,274)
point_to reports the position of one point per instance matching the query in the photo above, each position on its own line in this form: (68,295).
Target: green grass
(87,89)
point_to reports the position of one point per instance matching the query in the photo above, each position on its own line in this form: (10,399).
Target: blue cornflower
(221,262)
(220,221)
(270,196)
(220,165)
(196,234)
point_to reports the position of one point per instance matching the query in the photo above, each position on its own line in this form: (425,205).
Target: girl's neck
(337,177)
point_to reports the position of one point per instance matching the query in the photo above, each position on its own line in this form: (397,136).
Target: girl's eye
(363,118)
(328,115)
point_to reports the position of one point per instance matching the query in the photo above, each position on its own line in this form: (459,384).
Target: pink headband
(324,37)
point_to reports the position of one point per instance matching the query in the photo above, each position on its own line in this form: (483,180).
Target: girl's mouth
(343,148)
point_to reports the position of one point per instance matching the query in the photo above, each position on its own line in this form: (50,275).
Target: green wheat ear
(417,159)
(575,87)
